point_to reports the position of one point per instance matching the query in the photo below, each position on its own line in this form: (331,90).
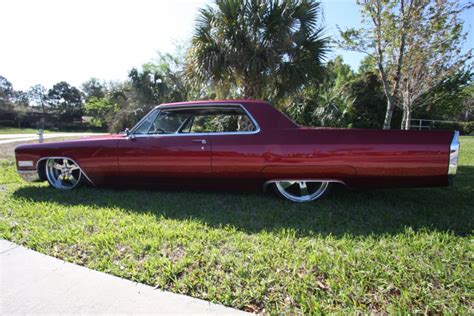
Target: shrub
(464,128)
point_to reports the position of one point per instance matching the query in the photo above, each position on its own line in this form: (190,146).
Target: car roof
(212,102)
(266,116)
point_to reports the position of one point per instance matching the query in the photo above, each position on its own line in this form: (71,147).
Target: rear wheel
(302,191)
(63,173)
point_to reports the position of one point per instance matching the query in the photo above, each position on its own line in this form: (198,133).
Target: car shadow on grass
(343,212)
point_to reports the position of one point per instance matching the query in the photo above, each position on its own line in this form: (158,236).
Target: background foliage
(276,50)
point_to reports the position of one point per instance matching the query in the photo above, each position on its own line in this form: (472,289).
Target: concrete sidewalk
(33,283)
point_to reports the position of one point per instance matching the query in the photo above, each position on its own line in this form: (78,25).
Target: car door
(156,150)
(237,146)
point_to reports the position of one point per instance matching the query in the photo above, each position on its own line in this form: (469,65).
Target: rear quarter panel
(360,158)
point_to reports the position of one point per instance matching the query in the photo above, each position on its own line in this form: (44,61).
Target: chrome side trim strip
(64,157)
(454,155)
(267,183)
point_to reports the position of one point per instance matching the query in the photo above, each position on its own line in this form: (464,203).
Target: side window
(163,122)
(221,120)
(168,122)
(197,120)
(145,125)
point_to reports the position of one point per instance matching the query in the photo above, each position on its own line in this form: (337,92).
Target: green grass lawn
(14,130)
(384,251)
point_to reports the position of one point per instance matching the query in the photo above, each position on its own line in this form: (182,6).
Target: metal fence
(427,124)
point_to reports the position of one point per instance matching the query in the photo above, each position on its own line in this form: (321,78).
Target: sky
(47,41)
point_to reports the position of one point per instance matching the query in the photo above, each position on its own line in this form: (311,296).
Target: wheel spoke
(57,166)
(287,184)
(73,167)
(72,179)
(65,163)
(303,189)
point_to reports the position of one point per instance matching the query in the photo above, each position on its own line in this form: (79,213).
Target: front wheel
(63,173)
(302,191)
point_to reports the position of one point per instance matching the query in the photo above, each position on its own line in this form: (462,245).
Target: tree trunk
(388,114)
(42,114)
(408,117)
(406,121)
(247,91)
(404,118)
(380,65)
(252,86)
(386,89)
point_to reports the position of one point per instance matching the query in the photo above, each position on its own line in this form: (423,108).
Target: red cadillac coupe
(244,141)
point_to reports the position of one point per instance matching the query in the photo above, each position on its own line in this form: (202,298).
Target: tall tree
(448,100)
(414,43)
(66,101)
(6,92)
(169,68)
(93,88)
(13,104)
(264,48)
(368,110)
(328,103)
(433,52)
(469,102)
(37,97)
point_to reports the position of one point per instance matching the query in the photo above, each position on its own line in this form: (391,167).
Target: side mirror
(128,134)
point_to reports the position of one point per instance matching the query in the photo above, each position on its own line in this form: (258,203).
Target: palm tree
(265,48)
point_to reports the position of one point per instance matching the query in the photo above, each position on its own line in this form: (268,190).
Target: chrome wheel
(63,173)
(302,191)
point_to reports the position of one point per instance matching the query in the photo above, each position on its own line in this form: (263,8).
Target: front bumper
(29,175)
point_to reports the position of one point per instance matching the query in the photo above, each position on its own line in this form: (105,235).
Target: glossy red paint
(280,150)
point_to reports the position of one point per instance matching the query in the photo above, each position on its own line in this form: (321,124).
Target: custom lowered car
(244,142)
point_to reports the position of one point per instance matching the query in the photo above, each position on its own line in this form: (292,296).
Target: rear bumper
(29,175)
(454,155)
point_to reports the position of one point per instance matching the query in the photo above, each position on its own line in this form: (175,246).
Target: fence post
(40,135)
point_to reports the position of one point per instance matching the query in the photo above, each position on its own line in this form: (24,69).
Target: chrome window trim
(205,106)
(454,154)
(64,157)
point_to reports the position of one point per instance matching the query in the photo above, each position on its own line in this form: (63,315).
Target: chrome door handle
(201,141)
